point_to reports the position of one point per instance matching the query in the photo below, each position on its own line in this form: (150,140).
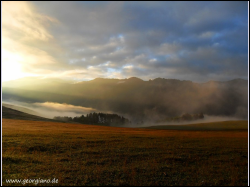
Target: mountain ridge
(39,79)
(136,98)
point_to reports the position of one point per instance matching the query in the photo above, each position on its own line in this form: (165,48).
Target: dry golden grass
(97,155)
(221,125)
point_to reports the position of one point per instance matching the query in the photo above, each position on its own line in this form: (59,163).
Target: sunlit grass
(97,155)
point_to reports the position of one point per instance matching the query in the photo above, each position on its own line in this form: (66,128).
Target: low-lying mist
(206,119)
(51,109)
(142,102)
(134,98)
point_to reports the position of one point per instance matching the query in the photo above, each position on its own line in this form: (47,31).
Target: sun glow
(11,66)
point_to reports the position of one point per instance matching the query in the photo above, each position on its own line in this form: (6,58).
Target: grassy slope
(22,109)
(222,125)
(97,155)
(16,114)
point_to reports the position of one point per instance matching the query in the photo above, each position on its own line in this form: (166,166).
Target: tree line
(96,118)
(184,117)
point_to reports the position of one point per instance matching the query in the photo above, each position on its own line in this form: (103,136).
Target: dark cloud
(196,40)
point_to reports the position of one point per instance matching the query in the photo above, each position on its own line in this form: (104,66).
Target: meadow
(206,126)
(90,155)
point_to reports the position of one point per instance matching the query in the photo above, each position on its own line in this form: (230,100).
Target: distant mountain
(137,99)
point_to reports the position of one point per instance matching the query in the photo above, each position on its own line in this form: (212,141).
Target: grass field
(96,155)
(221,125)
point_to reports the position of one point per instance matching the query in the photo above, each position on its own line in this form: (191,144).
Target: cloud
(182,40)
(21,18)
(63,107)
(52,109)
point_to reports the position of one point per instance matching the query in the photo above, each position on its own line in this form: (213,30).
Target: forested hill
(138,99)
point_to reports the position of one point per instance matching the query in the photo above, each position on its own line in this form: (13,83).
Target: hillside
(21,109)
(138,99)
(15,114)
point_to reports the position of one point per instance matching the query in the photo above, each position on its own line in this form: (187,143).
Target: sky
(197,41)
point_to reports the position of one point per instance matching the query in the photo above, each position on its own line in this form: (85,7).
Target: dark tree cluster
(184,117)
(96,118)
(188,117)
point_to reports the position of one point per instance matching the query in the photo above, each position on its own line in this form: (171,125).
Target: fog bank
(207,119)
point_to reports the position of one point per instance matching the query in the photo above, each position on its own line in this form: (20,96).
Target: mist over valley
(138,100)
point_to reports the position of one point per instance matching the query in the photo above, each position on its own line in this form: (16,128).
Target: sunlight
(12,68)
